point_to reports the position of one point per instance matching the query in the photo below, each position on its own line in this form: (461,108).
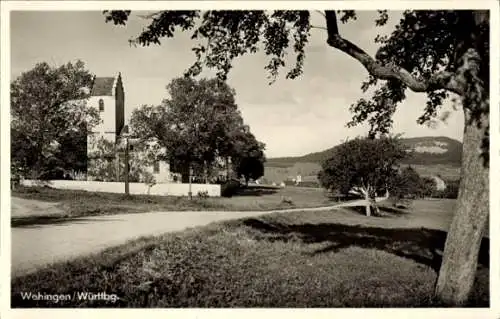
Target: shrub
(289,183)
(203,194)
(428,188)
(230,188)
(286,200)
(77,175)
(451,190)
(310,184)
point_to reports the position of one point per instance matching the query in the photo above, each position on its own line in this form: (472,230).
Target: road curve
(38,245)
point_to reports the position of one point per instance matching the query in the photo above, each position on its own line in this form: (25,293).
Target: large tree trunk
(458,268)
(373,204)
(370,202)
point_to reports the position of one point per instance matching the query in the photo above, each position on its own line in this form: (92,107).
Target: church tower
(107,96)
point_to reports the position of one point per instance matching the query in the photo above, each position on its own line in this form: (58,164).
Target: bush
(230,188)
(428,187)
(203,194)
(451,190)
(309,184)
(286,200)
(289,183)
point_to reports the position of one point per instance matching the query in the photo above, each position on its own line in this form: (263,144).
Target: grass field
(309,171)
(52,203)
(333,258)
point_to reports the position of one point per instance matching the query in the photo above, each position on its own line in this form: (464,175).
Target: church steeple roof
(103,86)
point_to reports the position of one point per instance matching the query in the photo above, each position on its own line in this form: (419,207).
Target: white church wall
(164,175)
(164,189)
(107,117)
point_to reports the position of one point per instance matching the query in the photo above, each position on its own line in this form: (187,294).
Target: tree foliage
(407,184)
(102,161)
(368,165)
(197,125)
(50,118)
(248,156)
(423,53)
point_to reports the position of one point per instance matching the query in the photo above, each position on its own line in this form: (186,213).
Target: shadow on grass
(384,211)
(256,191)
(39,221)
(424,246)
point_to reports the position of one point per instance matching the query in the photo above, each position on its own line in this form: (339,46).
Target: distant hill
(431,155)
(427,150)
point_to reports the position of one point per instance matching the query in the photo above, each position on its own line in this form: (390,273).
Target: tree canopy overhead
(438,53)
(427,51)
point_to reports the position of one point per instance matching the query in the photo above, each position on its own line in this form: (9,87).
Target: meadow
(336,258)
(278,172)
(35,205)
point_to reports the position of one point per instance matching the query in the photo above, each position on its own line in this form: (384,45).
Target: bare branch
(440,80)
(318,27)
(149,16)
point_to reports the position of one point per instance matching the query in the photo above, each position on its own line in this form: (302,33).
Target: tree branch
(149,16)
(318,27)
(440,80)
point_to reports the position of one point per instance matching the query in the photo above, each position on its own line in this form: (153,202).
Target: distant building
(440,183)
(298,180)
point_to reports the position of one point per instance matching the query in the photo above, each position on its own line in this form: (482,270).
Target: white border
(7,6)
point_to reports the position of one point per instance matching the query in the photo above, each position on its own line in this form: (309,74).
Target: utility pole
(117,163)
(125,135)
(190,194)
(127,190)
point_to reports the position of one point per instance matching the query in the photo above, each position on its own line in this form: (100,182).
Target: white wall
(108,116)
(164,175)
(173,189)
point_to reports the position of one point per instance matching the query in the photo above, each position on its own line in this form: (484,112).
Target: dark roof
(102,86)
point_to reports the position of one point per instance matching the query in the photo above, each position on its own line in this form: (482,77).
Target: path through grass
(67,204)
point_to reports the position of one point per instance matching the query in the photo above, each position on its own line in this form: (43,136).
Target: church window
(101,105)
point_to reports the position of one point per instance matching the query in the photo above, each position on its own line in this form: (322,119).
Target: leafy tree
(363,165)
(192,124)
(438,53)
(411,182)
(50,118)
(101,159)
(248,156)
(406,185)
(451,190)
(102,164)
(72,151)
(250,168)
(429,187)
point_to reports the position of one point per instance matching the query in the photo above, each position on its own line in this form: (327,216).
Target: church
(107,96)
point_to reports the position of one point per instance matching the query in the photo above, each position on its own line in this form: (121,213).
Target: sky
(292,117)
